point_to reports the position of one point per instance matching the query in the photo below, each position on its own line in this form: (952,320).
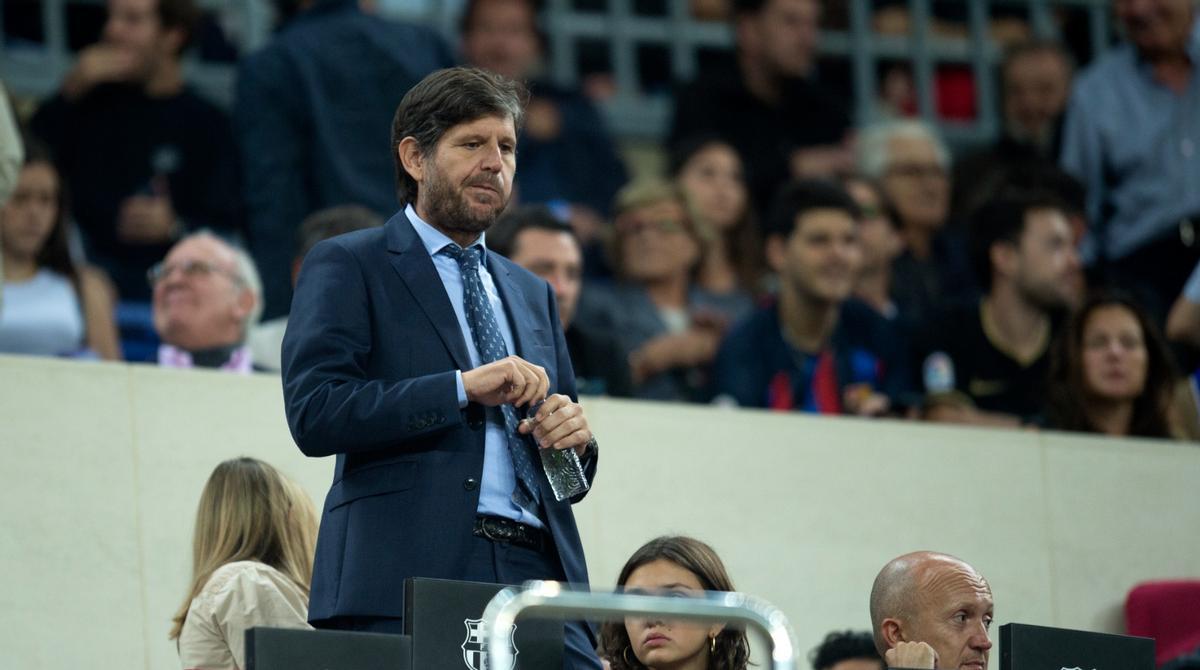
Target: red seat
(1169,612)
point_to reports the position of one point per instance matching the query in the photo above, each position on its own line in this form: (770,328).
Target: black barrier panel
(444,619)
(1025,647)
(291,649)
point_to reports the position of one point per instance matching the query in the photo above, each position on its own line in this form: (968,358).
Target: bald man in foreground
(931,611)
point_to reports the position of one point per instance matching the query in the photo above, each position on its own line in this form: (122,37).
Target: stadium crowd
(785,259)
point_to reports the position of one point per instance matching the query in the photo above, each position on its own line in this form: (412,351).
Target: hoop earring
(712,646)
(625,656)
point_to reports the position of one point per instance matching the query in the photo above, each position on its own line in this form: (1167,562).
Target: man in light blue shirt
(1132,136)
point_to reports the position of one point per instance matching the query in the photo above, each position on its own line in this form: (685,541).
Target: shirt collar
(434,239)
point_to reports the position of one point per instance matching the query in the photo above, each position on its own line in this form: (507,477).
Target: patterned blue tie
(489,342)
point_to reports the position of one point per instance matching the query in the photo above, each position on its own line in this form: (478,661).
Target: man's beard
(449,210)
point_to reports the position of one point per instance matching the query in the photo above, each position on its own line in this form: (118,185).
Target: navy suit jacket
(368,374)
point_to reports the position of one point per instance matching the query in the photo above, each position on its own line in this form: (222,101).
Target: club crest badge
(474,648)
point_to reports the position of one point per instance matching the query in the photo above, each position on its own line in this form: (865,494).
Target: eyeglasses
(190,270)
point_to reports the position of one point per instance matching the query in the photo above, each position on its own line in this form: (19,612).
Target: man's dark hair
(1037,46)
(798,198)
(446,99)
(741,8)
(466,20)
(1002,220)
(502,237)
(333,221)
(844,646)
(179,14)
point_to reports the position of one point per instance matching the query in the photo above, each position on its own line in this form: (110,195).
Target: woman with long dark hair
(51,306)
(1112,373)
(680,566)
(711,172)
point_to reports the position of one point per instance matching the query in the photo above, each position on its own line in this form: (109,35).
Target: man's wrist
(460,388)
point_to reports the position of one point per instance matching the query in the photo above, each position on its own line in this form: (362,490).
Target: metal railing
(634,111)
(550,599)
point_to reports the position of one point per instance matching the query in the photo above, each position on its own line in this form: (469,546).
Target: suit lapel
(409,258)
(516,305)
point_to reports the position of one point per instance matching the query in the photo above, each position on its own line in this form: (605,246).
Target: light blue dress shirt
(1135,145)
(499,478)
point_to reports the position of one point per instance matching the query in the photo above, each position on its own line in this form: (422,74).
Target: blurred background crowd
(973,211)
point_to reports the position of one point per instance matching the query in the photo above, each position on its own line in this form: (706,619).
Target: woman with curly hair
(673,566)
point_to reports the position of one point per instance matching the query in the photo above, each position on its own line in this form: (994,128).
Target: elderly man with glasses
(206,296)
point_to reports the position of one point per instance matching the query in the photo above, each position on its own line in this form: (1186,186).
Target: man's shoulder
(758,328)
(1105,72)
(518,273)
(299,37)
(372,238)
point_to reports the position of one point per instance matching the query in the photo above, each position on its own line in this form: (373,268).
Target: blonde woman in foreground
(252,559)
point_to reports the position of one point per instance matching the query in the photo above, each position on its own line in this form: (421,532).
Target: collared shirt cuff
(462,390)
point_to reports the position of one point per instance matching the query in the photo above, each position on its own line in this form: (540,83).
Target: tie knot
(467,258)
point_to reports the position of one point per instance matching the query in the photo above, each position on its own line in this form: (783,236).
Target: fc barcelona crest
(473,647)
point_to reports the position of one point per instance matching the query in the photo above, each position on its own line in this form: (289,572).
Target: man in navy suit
(412,353)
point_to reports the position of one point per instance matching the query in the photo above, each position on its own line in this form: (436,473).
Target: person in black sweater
(769,105)
(144,157)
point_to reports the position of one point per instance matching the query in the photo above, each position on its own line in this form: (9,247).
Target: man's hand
(911,655)
(99,64)
(559,424)
(695,346)
(862,400)
(146,219)
(510,380)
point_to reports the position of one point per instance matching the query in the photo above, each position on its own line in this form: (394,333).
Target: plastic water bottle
(562,466)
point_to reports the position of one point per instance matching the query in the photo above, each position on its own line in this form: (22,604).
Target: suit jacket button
(470,483)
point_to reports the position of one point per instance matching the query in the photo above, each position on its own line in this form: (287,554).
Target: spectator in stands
(1112,373)
(930,610)
(309,108)
(144,157)
(11,155)
(11,149)
(986,362)
(207,296)
(710,170)
(769,105)
(1036,82)
(681,567)
(266,338)
(534,239)
(816,350)
(847,650)
(668,326)
(567,156)
(881,244)
(52,306)
(911,165)
(252,558)
(1183,322)
(1132,135)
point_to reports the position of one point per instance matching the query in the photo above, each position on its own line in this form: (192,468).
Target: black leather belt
(499,529)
